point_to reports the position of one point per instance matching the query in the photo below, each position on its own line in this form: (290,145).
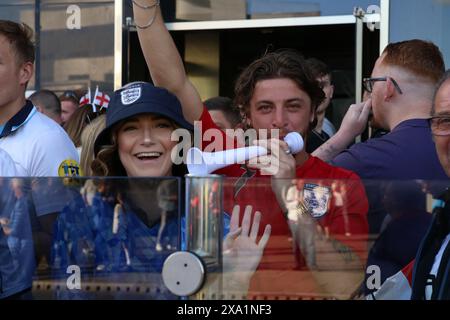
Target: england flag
(86,99)
(101,99)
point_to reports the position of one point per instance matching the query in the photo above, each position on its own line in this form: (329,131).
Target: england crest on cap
(131,95)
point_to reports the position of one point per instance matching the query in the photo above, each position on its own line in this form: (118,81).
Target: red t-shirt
(343,216)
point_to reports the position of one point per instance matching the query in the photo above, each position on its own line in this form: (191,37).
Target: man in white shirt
(7,167)
(38,146)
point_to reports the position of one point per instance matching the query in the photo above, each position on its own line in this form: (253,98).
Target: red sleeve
(213,138)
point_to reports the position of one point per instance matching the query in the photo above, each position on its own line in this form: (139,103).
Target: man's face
(377,95)
(442,108)
(328,89)
(67,109)
(280,104)
(220,119)
(11,82)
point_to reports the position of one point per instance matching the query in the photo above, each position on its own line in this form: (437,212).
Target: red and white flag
(101,99)
(396,287)
(86,99)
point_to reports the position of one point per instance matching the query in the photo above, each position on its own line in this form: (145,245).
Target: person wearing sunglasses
(39,148)
(69,103)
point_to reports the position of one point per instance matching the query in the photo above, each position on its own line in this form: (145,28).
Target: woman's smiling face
(145,145)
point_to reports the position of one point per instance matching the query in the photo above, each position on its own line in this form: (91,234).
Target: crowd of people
(331,190)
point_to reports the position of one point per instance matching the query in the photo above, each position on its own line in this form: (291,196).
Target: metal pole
(204,228)
(359,14)
(359,56)
(37,34)
(118,43)
(204,211)
(384,24)
(359,59)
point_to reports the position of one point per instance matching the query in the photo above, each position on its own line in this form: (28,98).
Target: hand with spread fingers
(241,252)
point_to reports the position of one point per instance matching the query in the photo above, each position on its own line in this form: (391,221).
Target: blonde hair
(88,136)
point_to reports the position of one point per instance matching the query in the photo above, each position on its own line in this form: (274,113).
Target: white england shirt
(7,167)
(39,146)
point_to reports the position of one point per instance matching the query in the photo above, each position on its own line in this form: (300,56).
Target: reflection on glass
(204,218)
(118,232)
(112,236)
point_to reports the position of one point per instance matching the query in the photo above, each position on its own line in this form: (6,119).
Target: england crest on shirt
(317,199)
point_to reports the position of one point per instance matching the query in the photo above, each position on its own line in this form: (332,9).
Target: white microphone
(203,163)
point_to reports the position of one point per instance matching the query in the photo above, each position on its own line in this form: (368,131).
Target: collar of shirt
(412,123)
(19,119)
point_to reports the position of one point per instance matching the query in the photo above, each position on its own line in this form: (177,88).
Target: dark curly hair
(285,63)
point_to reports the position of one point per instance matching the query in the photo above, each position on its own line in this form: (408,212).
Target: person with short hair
(401,91)
(223,113)
(38,146)
(279,92)
(318,135)
(430,280)
(47,103)
(426,277)
(69,104)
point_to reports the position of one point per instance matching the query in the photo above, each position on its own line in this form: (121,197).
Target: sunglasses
(70,94)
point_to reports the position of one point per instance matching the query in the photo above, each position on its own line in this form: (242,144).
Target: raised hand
(241,252)
(353,124)
(355,120)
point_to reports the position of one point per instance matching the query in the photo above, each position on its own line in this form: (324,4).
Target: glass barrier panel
(108,238)
(88,238)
